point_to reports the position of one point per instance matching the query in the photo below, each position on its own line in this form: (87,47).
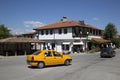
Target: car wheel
(114,55)
(101,56)
(67,62)
(111,56)
(41,65)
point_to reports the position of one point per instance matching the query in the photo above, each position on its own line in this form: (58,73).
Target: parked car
(107,52)
(48,57)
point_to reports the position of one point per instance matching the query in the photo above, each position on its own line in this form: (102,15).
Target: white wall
(59,46)
(64,36)
(56,35)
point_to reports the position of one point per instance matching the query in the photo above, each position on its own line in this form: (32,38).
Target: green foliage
(94,46)
(96,42)
(110,31)
(116,41)
(4,32)
(94,49)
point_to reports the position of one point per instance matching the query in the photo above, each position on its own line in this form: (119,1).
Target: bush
(94,49)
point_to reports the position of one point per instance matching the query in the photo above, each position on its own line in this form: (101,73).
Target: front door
(58,59)
(48,58)
(77,48)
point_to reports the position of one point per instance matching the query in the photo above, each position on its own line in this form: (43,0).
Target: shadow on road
(35,67)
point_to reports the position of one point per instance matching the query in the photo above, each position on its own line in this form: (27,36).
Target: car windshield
(106,49)
(36,53)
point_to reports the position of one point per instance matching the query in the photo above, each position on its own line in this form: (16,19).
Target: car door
(48,58)
(58,59)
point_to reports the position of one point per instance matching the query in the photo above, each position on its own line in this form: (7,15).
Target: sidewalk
(87,53)
(84,53)
(1,57)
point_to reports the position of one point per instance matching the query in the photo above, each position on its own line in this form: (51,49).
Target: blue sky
(22,16)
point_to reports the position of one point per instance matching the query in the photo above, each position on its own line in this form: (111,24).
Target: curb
(75,54)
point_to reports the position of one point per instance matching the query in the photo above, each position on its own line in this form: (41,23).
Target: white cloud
(20,31)
(95,18)
(27,27)
(17,31)
(33,23)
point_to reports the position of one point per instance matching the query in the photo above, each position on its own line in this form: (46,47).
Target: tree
(110,31)
(116,41)
(4,32)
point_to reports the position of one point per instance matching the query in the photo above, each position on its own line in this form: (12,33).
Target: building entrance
(77,48)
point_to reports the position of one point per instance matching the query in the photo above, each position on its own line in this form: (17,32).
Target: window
(42,32)
(100,32)
(51,31)
(48,54)
(60,31)
(53,45)
(97,32)
(93,32)
(36,53)
(84,31)
(65,47)
(46,32)
(56,54)
(65,31)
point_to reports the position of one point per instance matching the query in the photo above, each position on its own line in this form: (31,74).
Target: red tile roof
(30,33)
(20,40)
(65,25)
(100,40)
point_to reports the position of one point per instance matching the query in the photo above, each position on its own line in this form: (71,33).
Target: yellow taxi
(48,57)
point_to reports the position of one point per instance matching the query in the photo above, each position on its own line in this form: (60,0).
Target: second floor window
(51,31)
(42,32)
(65,31)
(60,31)
(46,32)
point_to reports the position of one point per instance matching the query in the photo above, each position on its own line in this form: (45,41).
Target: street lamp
(80,35)
(81,47)
(87,42)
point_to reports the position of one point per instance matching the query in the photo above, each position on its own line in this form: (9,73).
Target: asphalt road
(83,67)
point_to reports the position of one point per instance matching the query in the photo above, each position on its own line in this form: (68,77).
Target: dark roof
(65,25)
(20,40)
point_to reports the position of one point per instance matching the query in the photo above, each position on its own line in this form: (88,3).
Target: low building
(19,46)
(29,35)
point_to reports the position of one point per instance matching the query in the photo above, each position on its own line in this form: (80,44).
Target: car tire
(41,65)
(67,62)
(101,56)
(111,56)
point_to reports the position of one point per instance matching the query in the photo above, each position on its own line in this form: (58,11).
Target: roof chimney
(81,22)
(64,19)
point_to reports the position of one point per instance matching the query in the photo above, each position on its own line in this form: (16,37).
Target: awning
(78,43)
(66,43)
(100,40)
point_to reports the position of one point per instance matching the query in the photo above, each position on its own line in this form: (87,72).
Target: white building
(67,35)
